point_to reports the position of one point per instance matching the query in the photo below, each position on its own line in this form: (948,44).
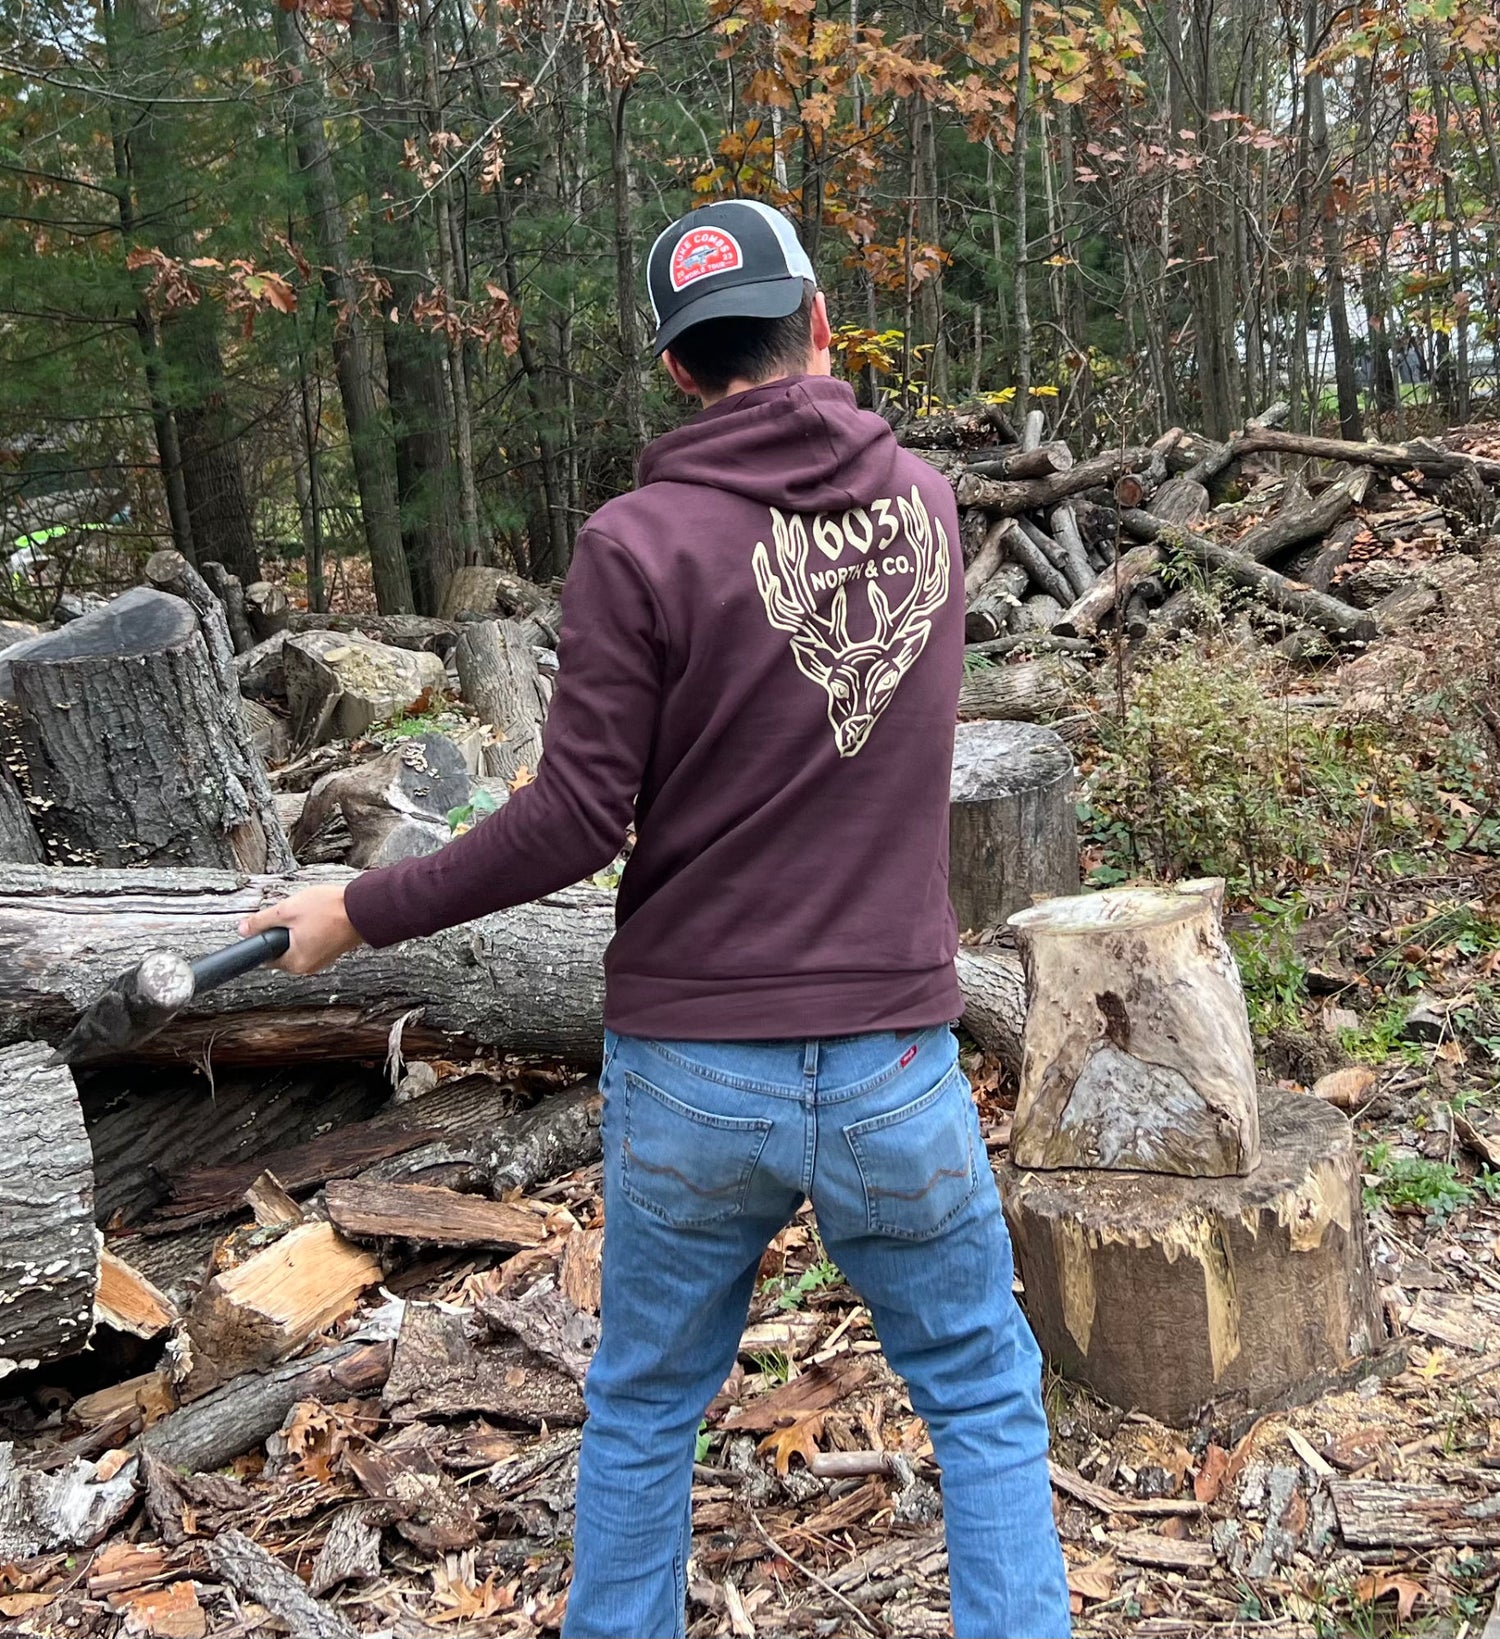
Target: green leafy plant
(1274,976)
(792,1294)
(478,805)
(1411,1183)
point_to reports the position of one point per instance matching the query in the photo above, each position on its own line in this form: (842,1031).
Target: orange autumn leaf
(798,1439)
(1378,1585)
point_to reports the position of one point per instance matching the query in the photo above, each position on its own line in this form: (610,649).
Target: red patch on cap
(907,1057)
(703,251)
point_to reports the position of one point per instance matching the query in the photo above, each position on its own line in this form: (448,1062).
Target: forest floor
(1373,980)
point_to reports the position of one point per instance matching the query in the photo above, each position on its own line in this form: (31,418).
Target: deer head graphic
(859,675)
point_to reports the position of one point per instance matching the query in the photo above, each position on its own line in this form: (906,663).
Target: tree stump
(1137,1050)
(1165,1294)
(1012,830)
(49,1252)
(136,755)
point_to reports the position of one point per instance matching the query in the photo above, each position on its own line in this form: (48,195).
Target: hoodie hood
(801,444)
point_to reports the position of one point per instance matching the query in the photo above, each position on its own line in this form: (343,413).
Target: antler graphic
(859,677)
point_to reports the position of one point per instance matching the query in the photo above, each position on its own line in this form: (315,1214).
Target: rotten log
(49,1260)
(1040,462)
(1027,691)
(993,611)
(136,752)
(1075,569)
(208,1433)
(1019,548)
(1329,614)
(498,674)
(1115,1262)
(398,631)
(1031,494)
(1012,832)
(1431,460)
(1219,456)
(1138,1050)
(1112,590)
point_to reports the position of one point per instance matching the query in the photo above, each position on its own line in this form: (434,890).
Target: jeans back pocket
(682,1165)
(918,1163)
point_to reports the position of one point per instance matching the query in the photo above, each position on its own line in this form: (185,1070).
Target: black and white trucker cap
(734,259)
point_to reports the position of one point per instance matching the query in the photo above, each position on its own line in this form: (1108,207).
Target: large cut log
(1028,494)
(1138,1049)
(267,608)
(1167,1295)
(19,843)
(399,631)
(1028,691)
(1012,827)
(338,685)
(135,752)
(529,980)
(498,674)
(49,1252)
(1329,614)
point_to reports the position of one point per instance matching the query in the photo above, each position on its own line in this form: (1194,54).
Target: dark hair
(720,351)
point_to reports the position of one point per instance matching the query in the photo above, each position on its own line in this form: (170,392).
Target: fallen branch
(1028,494)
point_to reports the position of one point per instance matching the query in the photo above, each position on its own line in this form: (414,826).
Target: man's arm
(567,824)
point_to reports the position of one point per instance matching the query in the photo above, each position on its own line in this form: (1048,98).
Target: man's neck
(708,400)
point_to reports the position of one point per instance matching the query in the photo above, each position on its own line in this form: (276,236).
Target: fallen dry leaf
(1371,1589)
(1096,1580)
(798,1439)
(19,1604)
(462,1598)
(1212,1475)
(1346,1088)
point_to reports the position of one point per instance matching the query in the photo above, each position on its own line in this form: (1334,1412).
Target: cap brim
(759,299)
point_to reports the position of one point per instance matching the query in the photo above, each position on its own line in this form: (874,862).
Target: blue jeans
(709,1149)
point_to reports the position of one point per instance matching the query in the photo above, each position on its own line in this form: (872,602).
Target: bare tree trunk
(1019,156)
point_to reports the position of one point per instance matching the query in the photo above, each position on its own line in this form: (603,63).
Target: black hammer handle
(220,966)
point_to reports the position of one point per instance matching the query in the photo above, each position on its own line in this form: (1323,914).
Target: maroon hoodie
(760,660)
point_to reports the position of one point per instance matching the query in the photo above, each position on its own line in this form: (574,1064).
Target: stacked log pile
(1063,556)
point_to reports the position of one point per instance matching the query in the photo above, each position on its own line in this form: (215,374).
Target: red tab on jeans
(907,1057)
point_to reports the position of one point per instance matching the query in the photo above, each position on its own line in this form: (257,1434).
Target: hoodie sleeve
(572,819)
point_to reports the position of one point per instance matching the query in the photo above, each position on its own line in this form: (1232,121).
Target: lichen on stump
(1137,1047)
(1166,1294)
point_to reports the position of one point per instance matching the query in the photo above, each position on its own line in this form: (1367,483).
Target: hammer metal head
(130,1009)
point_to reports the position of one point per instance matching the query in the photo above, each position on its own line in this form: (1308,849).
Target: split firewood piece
(250,1570)
(422,1501)
(261,1310)
(124,1565)
(127,1302)
(49,1248)
(42,1513)
(1012,831)
(269,1202)
(1111,1259)
(146,1398)
(1138,1049)
(552,1327)
(338,684)
(499,676)
(439,1369)
(267,608)
(368,1210)
(395,806)
(999,496)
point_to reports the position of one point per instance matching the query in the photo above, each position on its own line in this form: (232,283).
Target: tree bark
(49,1252)
(1012,830)
(498,676)
(370,436)
(1038,494)
(1113,1262)
(136,747)
(1028,691)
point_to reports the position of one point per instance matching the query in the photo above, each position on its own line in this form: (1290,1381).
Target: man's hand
(321,930)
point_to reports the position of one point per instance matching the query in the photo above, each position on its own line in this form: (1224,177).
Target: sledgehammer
(144,999)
